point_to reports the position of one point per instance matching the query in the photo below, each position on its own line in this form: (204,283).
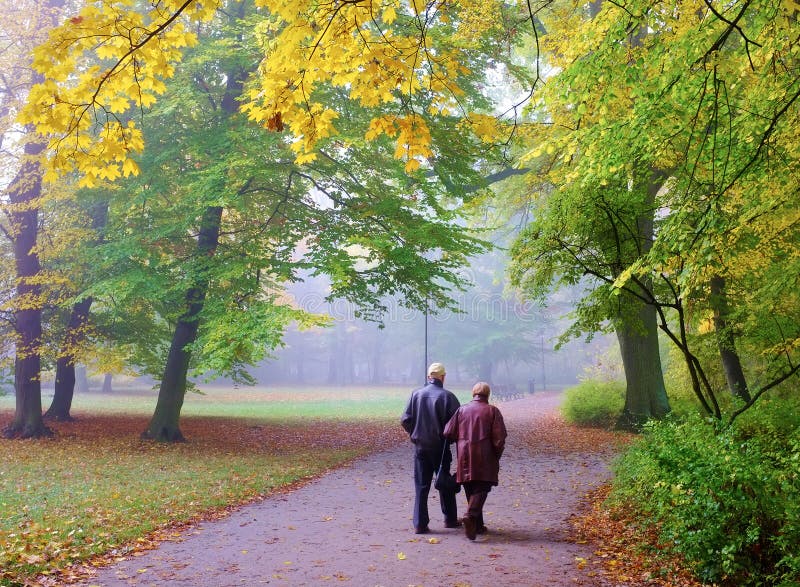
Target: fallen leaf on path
(401,556)
(433,541)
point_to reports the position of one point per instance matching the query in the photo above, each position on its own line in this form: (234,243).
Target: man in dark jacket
(480,434)
(428,410)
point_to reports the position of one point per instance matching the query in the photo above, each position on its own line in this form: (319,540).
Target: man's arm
(407,419)
(451,405)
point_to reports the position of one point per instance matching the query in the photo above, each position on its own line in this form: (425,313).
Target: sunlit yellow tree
(377,51)
(24,25)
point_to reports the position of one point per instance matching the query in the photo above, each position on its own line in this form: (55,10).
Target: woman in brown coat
(480,434)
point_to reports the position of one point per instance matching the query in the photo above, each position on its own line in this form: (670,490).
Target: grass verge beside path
(96,489)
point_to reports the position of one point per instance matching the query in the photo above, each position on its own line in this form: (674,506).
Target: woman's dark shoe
(453,524)
(470,528)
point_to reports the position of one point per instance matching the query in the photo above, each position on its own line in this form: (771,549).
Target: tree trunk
(164,425)
(65,365)
(107,377)
(377,374)
(63,393)
(24,194)
(645,393)
(300,361)
(340,361)
(637,333)
(81,380)
(333,363)
(76,331)
(726,342)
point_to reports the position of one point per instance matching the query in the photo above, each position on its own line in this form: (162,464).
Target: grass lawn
(96,489)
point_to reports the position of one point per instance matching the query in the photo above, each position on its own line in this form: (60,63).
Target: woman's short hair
(481,388)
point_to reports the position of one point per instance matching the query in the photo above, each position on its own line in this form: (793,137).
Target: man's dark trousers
(426,463)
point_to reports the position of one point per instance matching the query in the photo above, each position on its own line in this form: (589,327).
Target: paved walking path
(353,527)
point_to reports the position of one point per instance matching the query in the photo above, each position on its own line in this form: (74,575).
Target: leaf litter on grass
(96,492)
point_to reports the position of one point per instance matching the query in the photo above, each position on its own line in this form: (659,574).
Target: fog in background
(492,335)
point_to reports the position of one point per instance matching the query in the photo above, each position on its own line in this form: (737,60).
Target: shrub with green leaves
(726,500)
(594,403)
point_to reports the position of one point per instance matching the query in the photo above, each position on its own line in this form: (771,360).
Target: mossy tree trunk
(637,329)
(645,393)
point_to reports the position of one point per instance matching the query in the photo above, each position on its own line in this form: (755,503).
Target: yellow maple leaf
(389,15)
(401,556)
(118,104)
(411,165)
(303,158)
(130,167)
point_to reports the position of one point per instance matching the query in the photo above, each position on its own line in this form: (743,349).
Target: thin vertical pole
(544,381)
(425,366)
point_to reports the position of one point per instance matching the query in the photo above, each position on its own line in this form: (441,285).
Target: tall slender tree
(76,331)
(22,202)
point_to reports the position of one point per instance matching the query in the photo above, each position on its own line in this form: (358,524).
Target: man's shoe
(481,530)
(422,530)
(453,524)
(470,528)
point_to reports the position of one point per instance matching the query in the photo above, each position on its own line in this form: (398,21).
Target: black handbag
(446,481)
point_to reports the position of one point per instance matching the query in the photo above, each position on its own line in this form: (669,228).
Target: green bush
(727,501)
(774,418)
(594,403)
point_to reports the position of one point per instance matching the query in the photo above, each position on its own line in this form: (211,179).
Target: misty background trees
(491,335)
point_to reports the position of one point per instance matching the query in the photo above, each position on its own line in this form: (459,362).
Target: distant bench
(505,392)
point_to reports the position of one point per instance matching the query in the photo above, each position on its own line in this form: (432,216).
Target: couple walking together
(433,418)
